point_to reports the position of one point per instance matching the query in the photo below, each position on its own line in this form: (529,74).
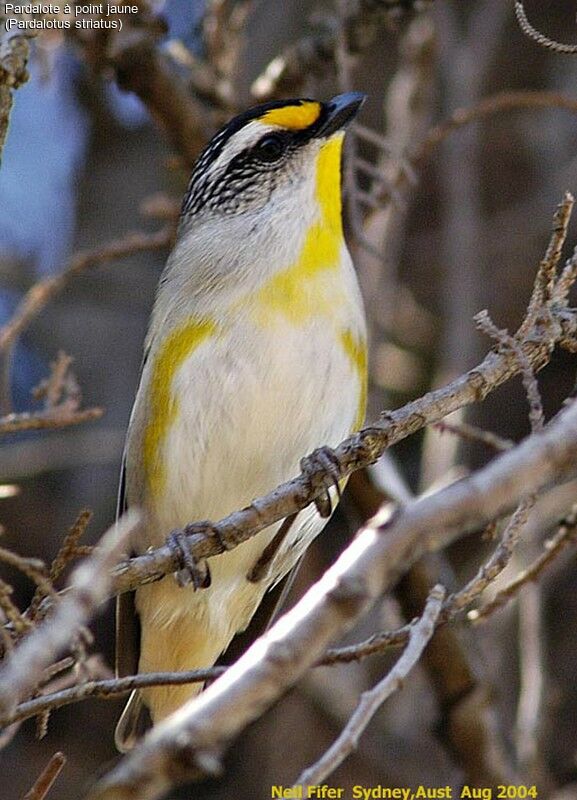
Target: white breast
(252,401)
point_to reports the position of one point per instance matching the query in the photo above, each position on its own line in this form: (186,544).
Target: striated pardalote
(255,356)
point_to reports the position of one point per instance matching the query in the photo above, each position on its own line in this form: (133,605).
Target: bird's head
(274,159)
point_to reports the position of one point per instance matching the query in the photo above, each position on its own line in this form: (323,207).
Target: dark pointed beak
(339,112)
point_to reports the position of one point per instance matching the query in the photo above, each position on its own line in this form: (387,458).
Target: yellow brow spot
(356,349)
(295,118)
(163,405)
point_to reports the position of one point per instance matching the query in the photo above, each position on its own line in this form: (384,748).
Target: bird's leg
(322,460)
(189,569)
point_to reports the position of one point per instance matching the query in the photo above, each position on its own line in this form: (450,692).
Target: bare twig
(14,52)
(537,36)
(46,779)
(487,326)
(33,568)
(496,563)
(371,700)
(12,614)
(39,295)
(109,688)
(474,434)
(57,386)
(564,537)
(24,666)
(69,547)
(489,106)
(56,669)
(190,743)
(566,279)
(47,420)
(544,287)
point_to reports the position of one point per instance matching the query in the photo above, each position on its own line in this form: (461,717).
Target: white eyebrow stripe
(241,140)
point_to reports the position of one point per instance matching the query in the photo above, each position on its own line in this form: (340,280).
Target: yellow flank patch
(295,118)
(328,183)
(356,349)
(163,405)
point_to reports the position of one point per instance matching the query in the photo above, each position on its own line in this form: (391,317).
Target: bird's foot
(189,569)
(323,461)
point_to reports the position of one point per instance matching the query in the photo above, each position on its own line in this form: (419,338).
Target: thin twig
(190,743)
(537,36)
(33,568)
(47,420)
(495,564)
(24,666)
(371,700)
(12,613)
(39,295)
(46,779)
(69,547)
(544,286)
(565,536)
(472,433)
(107,689)
(566,279)
(489,106)
(487,326)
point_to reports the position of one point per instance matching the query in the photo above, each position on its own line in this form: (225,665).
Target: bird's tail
(133,723)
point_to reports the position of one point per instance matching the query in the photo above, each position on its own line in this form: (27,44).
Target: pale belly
(250,404)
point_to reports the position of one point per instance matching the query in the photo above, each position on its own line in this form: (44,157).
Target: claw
(190,570)
(325,459)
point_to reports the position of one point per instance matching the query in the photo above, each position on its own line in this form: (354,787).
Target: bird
(255,356)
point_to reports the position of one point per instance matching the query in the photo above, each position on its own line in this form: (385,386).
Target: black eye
(270,148)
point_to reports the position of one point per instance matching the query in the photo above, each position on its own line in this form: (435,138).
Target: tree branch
(49,419)
(107,688)
(532,33)
(420,634)
(45,780)
(24,666)
(41,293)
(14,52)
(190,743)
(564,537)
(552,325)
